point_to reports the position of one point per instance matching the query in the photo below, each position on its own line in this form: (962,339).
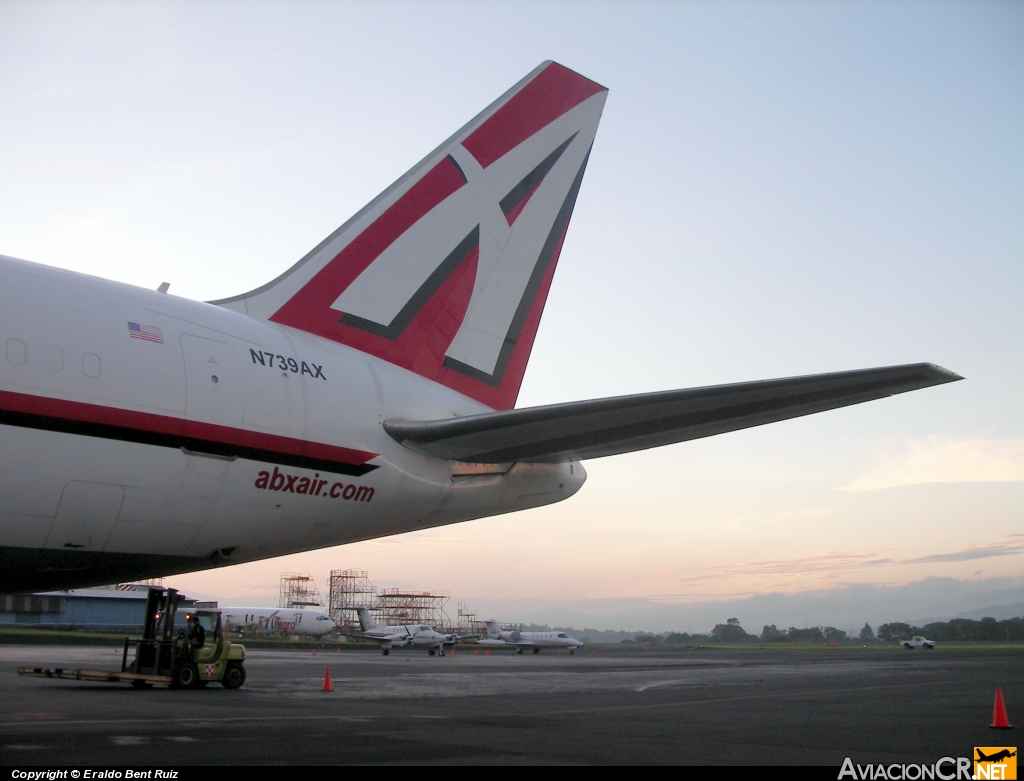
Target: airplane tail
(366,622)
(493,630)
(447,271)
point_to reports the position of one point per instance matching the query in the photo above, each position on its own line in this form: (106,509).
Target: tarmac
(604,705)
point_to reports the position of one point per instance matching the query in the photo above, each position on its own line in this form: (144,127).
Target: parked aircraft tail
(447,271)
(493,630)
(366,622)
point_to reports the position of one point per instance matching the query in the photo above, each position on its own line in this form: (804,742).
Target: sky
(775,189)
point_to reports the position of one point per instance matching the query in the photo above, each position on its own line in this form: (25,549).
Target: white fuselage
(536,640)
(544,640)
(278,620)
(230,440)
(412,635)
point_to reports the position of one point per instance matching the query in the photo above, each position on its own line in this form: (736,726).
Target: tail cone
(999,720)
(327,681)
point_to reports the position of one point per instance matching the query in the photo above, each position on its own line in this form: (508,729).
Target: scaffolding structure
(402,607)
(141,585)
(351,589)
(466,623)
(298,591)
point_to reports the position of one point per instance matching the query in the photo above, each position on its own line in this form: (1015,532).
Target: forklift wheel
(184,676)
(234,675)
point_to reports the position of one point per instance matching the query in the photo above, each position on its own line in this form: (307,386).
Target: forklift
(167,656)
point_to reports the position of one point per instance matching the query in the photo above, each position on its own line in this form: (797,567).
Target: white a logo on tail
(446,273)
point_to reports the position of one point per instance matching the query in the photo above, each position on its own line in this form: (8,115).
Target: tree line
(958,629)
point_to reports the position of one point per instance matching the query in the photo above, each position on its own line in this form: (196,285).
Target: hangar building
(115,608)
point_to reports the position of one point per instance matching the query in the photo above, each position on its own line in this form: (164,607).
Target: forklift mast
(161,605)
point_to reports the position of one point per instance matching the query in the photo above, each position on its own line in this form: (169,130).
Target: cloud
(822,563)
(788,574)
(785,574)
(945,461)
(973,552)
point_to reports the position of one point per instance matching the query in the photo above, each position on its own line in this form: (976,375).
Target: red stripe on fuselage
(554,91)
(80,412)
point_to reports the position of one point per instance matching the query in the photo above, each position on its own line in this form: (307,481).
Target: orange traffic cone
(314,652)
(327,681)
(487,653)
(452,654)
(999,720)
(337,650)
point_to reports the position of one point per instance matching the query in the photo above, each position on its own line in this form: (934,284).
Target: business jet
(418,636)
(278,620)
(495,635)
(367,391)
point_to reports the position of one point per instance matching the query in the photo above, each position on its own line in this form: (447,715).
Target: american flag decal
(149,333)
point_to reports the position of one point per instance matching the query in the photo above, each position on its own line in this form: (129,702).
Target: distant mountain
(998,612)
(846,607)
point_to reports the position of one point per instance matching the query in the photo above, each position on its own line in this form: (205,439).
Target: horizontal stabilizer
(605,427)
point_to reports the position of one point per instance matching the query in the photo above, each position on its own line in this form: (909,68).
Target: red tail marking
(504,396)
(552,92)
(310,308)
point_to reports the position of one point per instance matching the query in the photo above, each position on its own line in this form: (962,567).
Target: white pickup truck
(917,642)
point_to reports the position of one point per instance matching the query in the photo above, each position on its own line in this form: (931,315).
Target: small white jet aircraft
(522,640)
(409,636)
(286,621)
(369,390)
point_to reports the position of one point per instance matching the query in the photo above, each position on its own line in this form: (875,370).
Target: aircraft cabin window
(16,351)
(91,365)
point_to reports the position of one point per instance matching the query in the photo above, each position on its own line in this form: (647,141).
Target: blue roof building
(115,608)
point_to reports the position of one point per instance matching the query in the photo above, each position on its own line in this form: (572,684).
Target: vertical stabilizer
(493,630)
(446,273)
(366,622)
